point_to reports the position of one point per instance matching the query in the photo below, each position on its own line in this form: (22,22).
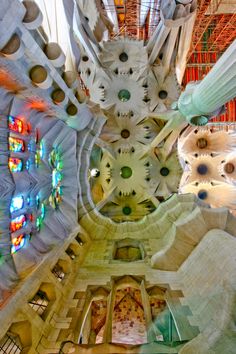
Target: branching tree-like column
(200,101)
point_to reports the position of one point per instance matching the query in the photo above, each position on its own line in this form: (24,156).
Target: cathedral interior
(118,176)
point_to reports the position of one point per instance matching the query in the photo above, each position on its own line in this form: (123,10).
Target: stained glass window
(18,223)
(37,199)
(55,160)
(56,178)
(38,223)
(55,197)
(16,145)
(17,243)
(41,149)
(15,165)
(42,211)
(56,164)
(52,159)
(15,124)
(39,219)
(27,164)
(16,203)
(37,158)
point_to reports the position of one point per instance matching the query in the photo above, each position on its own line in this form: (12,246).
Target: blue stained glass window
(15,165)
(16,203)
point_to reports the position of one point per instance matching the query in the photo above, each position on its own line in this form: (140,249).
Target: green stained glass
(126,210)
(124,95)
(126,172)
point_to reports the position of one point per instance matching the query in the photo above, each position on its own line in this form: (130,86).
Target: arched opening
(17,339)
(128,322)
(43,300)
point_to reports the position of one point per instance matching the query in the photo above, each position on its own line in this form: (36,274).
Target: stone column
(150,327)
(202,100)
(84,315)
(107,336)
(86,331)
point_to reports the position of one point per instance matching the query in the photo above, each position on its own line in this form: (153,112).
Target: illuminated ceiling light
(95,172)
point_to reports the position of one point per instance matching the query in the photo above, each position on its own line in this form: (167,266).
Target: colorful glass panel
(37,199)
(52,159)
(15,165)
(55,160)
(38,223)
(18,223)
(27,164)
(15,124)
(42,211)
(17,243)
(31,217)
(16,203)
(56,178)
(41,149)
(16,145)
(37,158)
(56,197)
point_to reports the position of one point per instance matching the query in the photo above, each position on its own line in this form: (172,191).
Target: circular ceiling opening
(126,210)
(125,133)
(125,172)
(164,171)
(85,58)
(229,167)
(202,169)
(202,194)
(162,94)
(201,143)
(124,95)
(123,57)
